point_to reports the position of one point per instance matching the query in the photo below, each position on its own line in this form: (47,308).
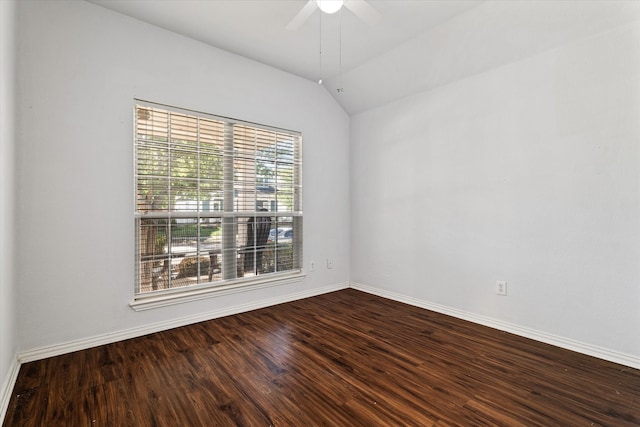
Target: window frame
(229,217)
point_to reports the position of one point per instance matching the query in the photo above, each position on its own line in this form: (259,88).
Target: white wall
(529,173)
(80,68)
(8,284)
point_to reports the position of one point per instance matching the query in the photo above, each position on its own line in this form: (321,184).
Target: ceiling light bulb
(330,6)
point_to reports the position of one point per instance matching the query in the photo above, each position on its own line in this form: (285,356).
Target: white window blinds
(218,200)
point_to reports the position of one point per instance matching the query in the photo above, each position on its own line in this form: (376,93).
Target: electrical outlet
(312,266)
(501,287)
(329,263)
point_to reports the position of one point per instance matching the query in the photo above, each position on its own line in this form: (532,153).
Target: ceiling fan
(361,8)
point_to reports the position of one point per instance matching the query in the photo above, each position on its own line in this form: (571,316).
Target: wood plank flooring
(341,359)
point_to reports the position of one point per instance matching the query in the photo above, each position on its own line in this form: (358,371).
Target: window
(211,194)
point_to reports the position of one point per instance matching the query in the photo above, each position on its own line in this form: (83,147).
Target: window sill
(141,302)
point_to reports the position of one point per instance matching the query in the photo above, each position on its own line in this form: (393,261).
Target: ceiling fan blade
(363,10)
(302,16)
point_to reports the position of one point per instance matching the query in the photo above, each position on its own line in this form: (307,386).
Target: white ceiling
(416,46)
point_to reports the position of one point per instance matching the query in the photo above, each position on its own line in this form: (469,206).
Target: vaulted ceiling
(417,45)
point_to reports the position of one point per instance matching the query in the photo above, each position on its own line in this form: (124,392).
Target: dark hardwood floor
(342,359)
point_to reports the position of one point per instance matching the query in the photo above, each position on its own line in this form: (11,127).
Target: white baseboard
(82,344)
(566,343)
(7,387)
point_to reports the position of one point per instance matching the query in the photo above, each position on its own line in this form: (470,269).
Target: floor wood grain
(341,359)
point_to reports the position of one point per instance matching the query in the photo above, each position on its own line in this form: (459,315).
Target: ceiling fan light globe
(330,6)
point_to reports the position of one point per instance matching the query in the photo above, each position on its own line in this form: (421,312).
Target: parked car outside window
(285,235)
